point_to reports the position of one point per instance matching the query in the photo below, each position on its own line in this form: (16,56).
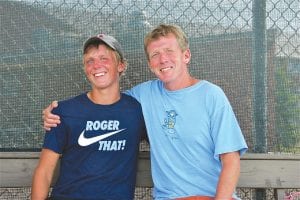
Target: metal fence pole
(259,62)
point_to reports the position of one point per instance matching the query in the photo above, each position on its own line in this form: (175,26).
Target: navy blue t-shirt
(99,146)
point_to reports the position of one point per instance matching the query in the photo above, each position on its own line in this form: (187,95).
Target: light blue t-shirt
(187,129)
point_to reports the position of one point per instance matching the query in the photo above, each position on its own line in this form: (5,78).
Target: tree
(287,108)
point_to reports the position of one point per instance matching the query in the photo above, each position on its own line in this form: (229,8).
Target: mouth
(99,74)
(165,69)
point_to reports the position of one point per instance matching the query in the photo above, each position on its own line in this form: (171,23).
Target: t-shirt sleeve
(136,91)
(55,139)
(226,132)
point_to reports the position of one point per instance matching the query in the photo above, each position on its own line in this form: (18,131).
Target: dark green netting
(250,49)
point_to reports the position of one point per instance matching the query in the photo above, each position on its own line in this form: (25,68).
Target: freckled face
(166,59)
(102,67)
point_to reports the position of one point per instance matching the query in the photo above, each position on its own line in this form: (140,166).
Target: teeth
(100,74)
(165,69)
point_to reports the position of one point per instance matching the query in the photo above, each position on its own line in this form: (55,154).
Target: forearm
(40,185)
(43,174)
(229,176)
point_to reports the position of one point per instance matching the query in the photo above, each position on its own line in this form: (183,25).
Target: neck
(182,83)
(104,97)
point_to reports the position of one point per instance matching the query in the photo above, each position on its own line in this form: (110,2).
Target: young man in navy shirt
(98,137)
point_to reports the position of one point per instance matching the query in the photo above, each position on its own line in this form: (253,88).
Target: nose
(163,57)
(97,64)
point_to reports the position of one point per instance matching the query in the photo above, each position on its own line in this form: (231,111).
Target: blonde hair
(163,30)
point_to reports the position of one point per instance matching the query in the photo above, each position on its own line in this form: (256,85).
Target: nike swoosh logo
(83,141)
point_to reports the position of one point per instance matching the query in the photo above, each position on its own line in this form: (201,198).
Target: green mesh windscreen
(253,56)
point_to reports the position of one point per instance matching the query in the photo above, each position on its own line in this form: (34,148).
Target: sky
(283,14)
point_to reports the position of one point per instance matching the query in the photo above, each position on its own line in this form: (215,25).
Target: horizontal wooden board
(257,170)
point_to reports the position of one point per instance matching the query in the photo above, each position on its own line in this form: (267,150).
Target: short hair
(163,30)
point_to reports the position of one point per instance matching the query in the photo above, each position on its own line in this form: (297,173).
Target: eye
(103,59)
(170,51)
(154,55)
(89,62)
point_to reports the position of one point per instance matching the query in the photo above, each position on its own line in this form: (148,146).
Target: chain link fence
(250,48)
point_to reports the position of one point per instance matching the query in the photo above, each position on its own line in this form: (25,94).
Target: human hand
(50,120)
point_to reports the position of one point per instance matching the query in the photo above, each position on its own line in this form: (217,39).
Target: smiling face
(168,61)
(102,67)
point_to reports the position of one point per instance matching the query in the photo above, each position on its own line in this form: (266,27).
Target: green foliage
(287,109)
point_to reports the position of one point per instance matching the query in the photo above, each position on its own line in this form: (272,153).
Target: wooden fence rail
(275,171)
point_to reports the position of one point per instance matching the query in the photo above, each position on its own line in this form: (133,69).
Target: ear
(187,56)
(121,67)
